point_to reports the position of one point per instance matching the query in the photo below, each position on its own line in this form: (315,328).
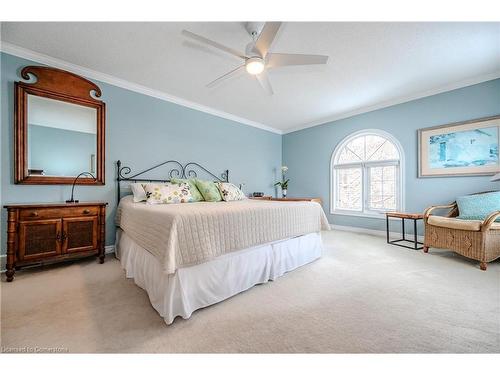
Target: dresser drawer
(55,213)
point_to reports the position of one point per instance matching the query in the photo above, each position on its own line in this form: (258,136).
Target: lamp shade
(496,177)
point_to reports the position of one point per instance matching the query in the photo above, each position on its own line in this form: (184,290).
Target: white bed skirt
(191,288)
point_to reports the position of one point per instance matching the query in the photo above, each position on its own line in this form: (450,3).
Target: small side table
(403,216)
(263,198)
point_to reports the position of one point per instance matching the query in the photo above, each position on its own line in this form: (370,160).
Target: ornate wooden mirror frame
(59,85)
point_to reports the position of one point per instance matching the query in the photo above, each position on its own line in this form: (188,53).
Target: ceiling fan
(257,58)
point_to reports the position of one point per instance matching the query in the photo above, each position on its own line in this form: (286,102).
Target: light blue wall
(141,131)
(307,152)
(60,152)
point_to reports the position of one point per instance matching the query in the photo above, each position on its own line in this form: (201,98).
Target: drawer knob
(86,211)
(34,214)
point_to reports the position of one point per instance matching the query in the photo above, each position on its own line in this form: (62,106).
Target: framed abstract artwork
(468,148)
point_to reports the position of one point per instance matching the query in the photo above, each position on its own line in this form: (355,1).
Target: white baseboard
(110,249)
(373,232)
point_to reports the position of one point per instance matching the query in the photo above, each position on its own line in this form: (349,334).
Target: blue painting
(468,148)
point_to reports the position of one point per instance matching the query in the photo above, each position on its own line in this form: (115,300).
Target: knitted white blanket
(185,234)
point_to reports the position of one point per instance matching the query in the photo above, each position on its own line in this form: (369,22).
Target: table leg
(403,228)
(415,233)
(387,227)
(11,245)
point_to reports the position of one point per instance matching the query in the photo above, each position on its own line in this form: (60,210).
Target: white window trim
(401,174)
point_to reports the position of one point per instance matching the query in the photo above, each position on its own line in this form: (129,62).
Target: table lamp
(72,199)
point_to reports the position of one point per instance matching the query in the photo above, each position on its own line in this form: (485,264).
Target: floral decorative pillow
(197,197)
(138,191)
(209,190)
(230,192)
(168,193)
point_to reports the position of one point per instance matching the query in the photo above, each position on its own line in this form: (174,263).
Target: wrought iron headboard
(176,171)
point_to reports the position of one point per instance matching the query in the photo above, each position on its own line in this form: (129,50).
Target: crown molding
(41,58)
(401,100)
(25,53)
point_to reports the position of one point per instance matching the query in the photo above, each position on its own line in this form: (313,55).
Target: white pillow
(169,192)
(230,192)
(138,191)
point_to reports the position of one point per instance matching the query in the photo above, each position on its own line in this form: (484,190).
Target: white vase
(283,193)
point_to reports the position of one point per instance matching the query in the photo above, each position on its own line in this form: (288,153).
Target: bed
(191,255)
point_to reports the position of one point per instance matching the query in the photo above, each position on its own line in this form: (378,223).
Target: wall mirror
(59,128)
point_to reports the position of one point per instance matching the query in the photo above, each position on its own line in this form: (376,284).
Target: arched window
(367,174)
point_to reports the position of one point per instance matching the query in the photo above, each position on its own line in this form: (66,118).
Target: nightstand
(270,198)
(317,200)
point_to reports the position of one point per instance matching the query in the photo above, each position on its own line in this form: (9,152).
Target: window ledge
(360,214)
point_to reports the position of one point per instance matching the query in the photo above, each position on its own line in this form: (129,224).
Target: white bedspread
(185,234)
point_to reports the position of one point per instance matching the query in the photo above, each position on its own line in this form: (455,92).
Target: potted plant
(283,184)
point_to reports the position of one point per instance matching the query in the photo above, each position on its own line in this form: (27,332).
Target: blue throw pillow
(479,206)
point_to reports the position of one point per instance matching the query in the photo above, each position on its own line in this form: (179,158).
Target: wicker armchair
(474,239)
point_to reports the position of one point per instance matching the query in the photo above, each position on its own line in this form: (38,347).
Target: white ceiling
(371,65)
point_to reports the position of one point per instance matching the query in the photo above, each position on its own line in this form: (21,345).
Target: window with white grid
(367,174)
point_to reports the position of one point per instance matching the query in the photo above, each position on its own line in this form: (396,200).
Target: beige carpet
(361,296)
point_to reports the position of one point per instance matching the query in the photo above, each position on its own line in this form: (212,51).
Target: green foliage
(283,184)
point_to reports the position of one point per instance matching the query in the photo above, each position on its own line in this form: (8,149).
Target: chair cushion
(478,206)
(454,223)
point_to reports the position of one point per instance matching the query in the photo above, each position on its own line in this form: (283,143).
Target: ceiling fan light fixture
(255,65)
(257,58)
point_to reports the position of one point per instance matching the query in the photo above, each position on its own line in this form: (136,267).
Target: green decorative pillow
(478,206)
(209,190)
(195,193)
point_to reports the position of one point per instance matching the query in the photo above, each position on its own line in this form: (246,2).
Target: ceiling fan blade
(283,59)
(228,75)
(266,37)
(263,79)
(202,39)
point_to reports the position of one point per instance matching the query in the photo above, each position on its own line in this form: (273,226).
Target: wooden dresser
(50,232)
